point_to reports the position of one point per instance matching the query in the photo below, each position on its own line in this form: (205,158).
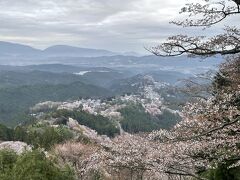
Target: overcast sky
(117,25)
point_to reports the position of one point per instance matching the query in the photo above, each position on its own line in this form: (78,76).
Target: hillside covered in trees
(66,122)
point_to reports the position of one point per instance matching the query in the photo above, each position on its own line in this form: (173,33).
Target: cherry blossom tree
(208,136)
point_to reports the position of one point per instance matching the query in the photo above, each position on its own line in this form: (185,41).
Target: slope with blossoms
(204,145)
(143,111)
(103,139)
(92,137)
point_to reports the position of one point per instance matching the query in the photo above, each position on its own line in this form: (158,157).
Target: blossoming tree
(208,137)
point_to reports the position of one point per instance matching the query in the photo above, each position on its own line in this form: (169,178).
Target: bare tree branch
(223,44)
(210,130)
(208,12)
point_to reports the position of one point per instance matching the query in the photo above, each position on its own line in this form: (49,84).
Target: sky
(117,25)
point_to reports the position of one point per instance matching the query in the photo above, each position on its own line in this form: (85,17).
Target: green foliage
(20,133)
(5,133)
(168,119)
(16,101)
(7,160)
(222,172)
(97,122)
(31,165)
(220,81)
(135,119)
(45,136)
(97,175)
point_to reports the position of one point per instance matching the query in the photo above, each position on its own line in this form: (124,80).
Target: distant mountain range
(22,55)
(12,49)
(16,50)
(70,51)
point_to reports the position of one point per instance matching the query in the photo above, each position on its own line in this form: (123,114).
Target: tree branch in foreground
(212,130)
(209,12)
(223,44)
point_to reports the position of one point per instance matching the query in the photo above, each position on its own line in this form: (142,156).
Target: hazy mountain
(70,51)
(171,77)
(144,64)
(23,78)
(132,53)
(17,54)
(20,50)
(132,84)
(13,49)
(55,68)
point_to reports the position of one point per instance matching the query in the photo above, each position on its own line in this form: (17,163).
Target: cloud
(119,25)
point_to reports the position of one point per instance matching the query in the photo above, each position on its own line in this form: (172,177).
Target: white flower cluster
(150,100)
(16,146)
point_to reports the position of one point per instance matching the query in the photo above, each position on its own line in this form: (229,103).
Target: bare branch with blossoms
(223,44)
(205,13)
(208,12)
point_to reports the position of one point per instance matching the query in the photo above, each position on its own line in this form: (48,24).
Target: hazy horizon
(119,26)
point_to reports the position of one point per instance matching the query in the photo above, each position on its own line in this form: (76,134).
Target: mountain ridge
(18,49)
